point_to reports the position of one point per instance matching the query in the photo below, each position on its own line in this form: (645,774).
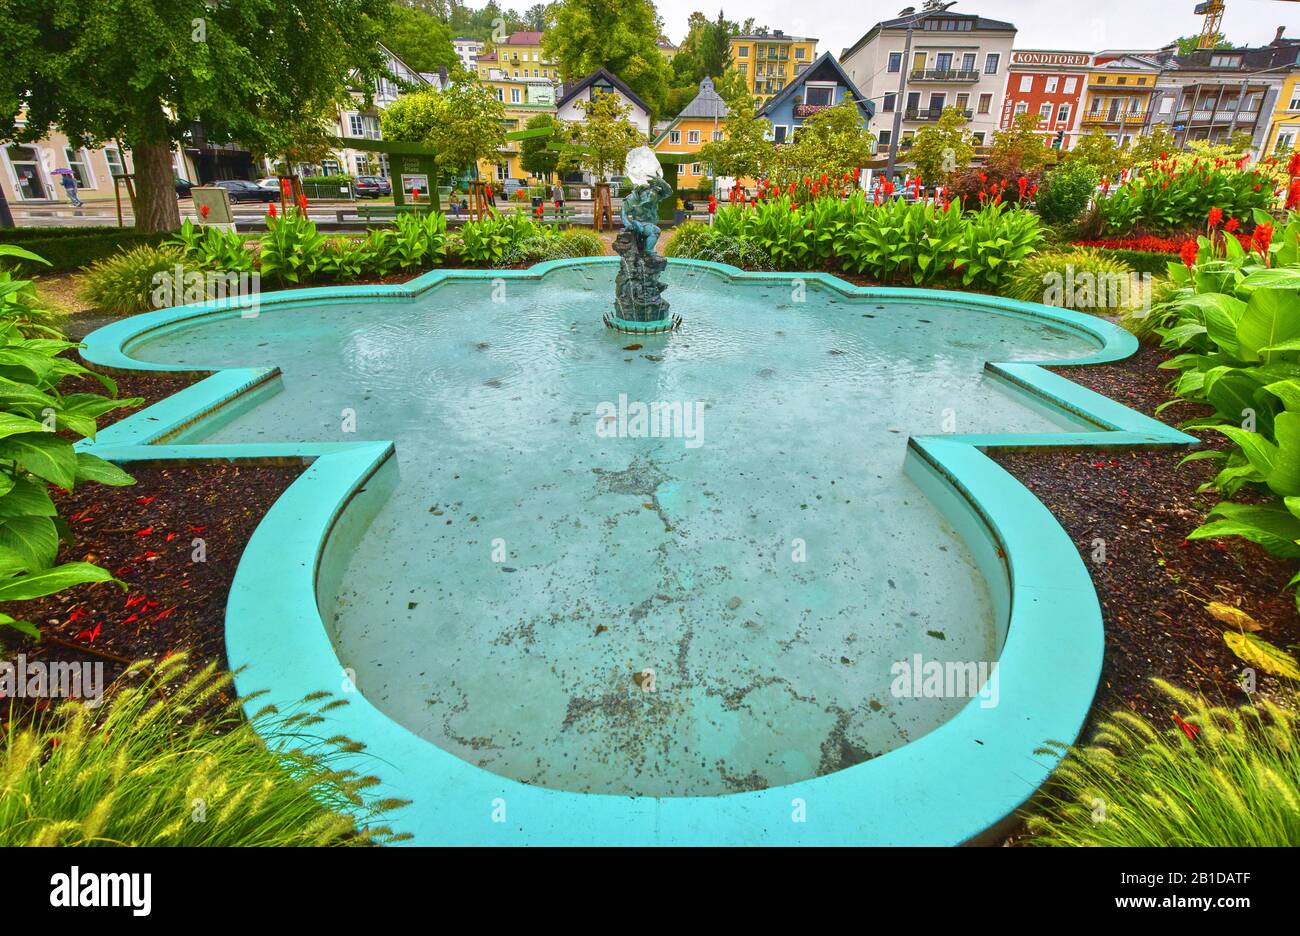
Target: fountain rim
(952,785)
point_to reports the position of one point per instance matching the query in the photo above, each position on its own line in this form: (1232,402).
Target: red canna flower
(1232,225)
(270,210)
(302,203)
(204,210)
(1189,254)
(1262,238)
(1216,215)
(1188,729)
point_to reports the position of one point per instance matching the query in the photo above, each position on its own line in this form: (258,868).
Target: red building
(1052,85)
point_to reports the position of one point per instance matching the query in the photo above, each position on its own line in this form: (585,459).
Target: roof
(523,38)
(708,103)
(979,24)
(1252,59)
(820,66)
(605,75)
(772,37)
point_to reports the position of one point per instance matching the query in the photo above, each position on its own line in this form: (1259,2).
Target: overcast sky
(1086,26)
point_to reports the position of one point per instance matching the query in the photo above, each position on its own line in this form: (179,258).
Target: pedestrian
(70,186)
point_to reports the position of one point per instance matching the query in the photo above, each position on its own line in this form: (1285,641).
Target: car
(183,188)
(270,182)
(510,186)
(241,190)
(371,186)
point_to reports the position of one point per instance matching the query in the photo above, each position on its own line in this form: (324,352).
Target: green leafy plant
(503,238)
(211,248)
(292,248)
(19,302)
(994,243)
(343,258)
(131,771)
(1213,776)
(1066,191)
(1171,196)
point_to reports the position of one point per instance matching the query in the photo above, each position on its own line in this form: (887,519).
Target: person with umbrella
(69,181)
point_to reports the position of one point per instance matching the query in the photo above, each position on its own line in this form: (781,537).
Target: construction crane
(1212,10)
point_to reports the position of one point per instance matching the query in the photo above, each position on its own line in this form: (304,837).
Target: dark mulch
(146,535)
(1154,584)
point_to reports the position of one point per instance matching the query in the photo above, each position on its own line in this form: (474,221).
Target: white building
(604,82)
(361,122)
(957,60)
(468,50)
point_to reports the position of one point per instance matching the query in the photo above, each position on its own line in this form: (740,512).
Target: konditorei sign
(1051,59)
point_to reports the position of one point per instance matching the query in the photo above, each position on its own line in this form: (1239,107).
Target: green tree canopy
(832,141)
(942,149)
(620,35)
(536,154)
(1154,144)
(464,124)
(602,139)
(1022,145)
(144,73)
(745,150)
(1101,152)
(1187,44)
(421,40)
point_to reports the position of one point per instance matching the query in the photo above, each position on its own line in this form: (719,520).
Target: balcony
(1128,120)
(807,110)
(930,113)
(945,74)
(1209,115)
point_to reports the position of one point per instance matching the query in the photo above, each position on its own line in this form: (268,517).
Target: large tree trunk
(155,187)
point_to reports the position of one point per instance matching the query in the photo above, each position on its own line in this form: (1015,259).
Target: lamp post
(913,19)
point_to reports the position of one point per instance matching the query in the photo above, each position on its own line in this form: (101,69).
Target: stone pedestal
(638,294)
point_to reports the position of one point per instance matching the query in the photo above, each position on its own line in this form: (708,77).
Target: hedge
(73,248)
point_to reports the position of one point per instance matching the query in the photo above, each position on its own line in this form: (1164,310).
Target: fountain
(638,292)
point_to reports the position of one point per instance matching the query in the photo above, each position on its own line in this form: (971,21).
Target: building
(823,84)
(524,99)
(767,61)
(666,48)
(569,107)
(1211,94)
(702,121)
(1050,84)
(361,121)
(468,51)
(519,56)
(1283,134)
(1121,86)
(26,170)
(957,60)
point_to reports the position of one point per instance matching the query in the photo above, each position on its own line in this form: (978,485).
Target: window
(500,95)
(799,52)
(717,136)
(991,62)
(675,137)
(963,102)
(692,136)
(1135,106)
(1051,84)
(503,172)
(978,137)
(1285,141)
(1070,85)
(1122,79)
(1021,107)
(695,169)
(1295,103)
(778,134)
(514,95)
(354,125)
(1026,82)
(888,103)
(895,62)
(1166,104)
(938,102)
(1225,61)
(1045,112)
(26,167)
(743,68)
(943,62)
(986,102)
(80,166)
(885,136)
(819,95)
(113,156)
(1063,114)
(742,52)
(968,62)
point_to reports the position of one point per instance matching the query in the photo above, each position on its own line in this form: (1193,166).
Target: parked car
(371,186)
(510,186)
(183,188)
(241,190)
(270,182)
(385,186)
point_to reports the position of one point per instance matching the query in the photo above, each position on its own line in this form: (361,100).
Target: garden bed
(1154,584)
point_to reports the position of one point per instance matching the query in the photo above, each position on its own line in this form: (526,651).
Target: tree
(745,150)
(1022,144)
(620,35)
(421,40)
(464,124)
(535,153)
(1187,44)
(1100,151)
(1241,141)
(1156,143)
(602,139)
(945,148)
(145,73)
(832,141)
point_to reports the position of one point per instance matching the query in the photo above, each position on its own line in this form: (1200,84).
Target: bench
(382,212)
(552,215)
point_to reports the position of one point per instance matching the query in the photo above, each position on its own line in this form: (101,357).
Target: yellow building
(524,98)
(767,61)
(701,121)
(1284,126)
(1118,97)
(519,56)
